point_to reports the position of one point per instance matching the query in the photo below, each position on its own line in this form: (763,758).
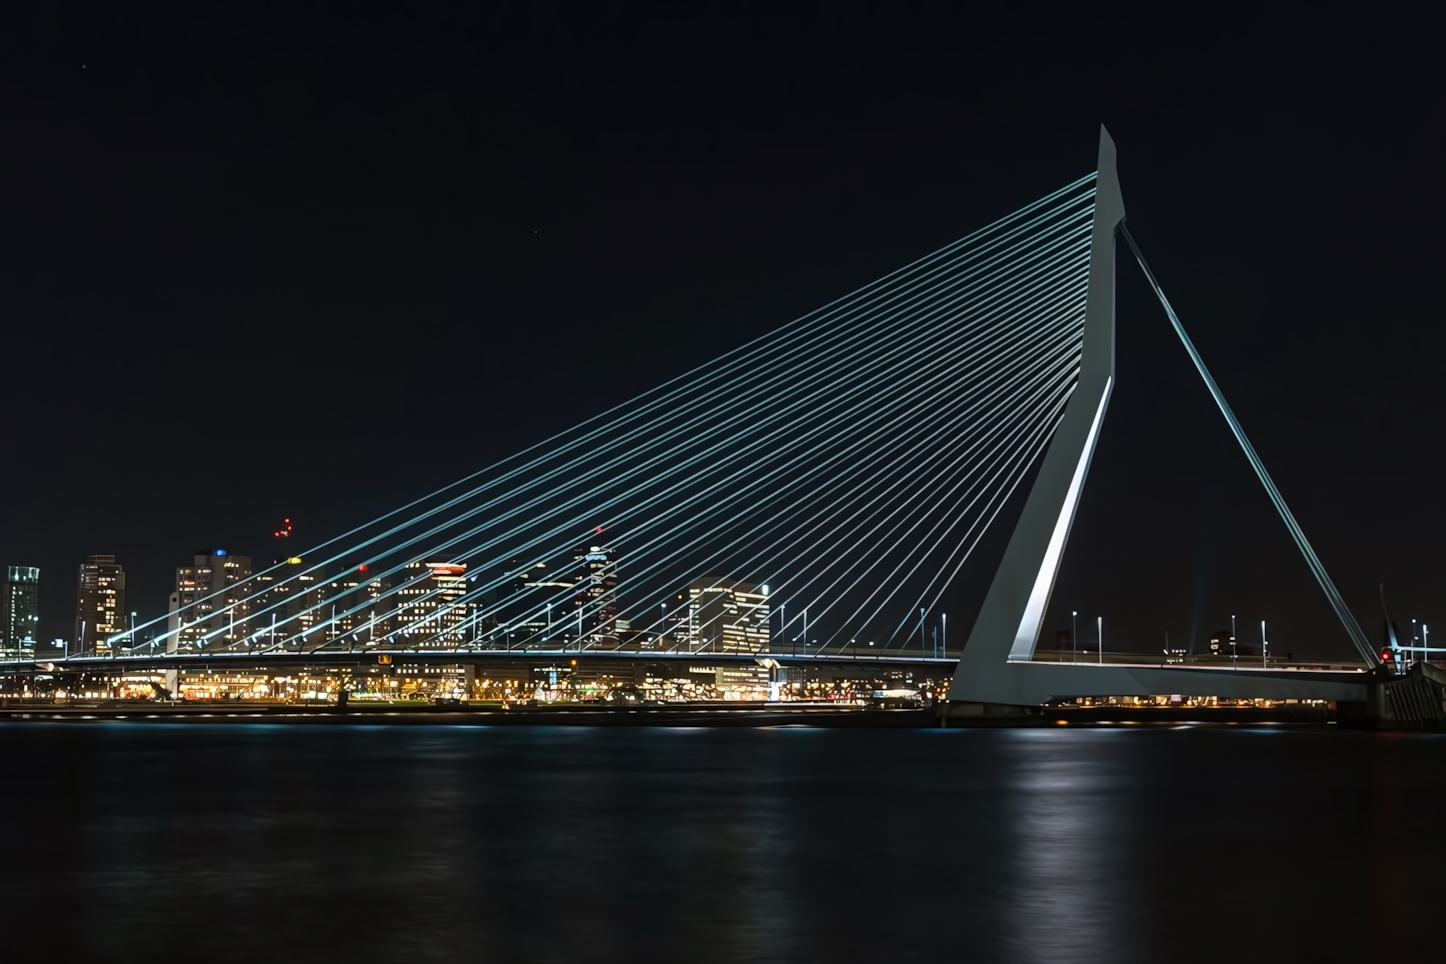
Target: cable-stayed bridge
(814,491)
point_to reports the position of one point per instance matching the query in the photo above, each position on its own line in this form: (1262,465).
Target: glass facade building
(19,612)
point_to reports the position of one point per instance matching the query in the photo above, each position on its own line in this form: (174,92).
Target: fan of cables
(829,480)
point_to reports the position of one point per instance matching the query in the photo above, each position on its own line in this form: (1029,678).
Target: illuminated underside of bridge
(828,481)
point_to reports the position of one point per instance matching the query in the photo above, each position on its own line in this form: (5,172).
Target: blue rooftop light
(220,552)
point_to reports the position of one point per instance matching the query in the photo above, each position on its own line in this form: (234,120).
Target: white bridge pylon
(997,663)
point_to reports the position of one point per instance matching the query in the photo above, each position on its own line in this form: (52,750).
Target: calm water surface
(273,843)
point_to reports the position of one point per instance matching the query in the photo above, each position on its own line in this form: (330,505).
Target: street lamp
(1232,640)
(1100,628)
(1263,644)
(1074,633)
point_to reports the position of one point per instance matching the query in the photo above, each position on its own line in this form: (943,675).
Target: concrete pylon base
(1415,701)
(976,712)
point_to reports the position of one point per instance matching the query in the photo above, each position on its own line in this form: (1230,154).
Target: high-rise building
(727,616)
(211,604)
(429,610)
(19,611)
(289,607)
(531,606)
(358,615)
(100,609)
(594,611)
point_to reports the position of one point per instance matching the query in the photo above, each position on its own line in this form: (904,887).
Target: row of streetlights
(1100,631)
(940,645)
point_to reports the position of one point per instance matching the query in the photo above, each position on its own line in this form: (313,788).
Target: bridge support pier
(1416,701)
(975,713)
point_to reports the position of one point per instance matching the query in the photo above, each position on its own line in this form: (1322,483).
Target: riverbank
(595,714)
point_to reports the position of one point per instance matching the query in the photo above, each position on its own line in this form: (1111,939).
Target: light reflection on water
(259,842)
(1067,879)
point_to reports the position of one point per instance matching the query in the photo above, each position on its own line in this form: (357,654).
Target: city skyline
(711,614)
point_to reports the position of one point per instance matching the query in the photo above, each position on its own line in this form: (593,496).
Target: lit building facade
(100,609)
(19,612)
(290,606)
(594,608)
(358,615)
(430,612)
(210,607)
(726,616)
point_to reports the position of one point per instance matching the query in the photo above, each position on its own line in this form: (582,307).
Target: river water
(259,843)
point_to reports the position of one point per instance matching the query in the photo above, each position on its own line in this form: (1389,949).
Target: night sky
(243,253)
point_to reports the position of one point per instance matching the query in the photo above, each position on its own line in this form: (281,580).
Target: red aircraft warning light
(285,531)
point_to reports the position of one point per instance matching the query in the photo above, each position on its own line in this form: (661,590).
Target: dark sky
(243,252)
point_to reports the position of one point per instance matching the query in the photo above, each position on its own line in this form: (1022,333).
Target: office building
(430,613)
(359,615)
(100,609)
(594,607)
(19,612)
(210,607)
(726,616)
(289,606)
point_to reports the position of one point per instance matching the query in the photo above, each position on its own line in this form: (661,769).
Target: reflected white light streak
(1028,632)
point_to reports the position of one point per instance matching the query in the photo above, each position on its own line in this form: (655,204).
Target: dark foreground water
(269,843)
